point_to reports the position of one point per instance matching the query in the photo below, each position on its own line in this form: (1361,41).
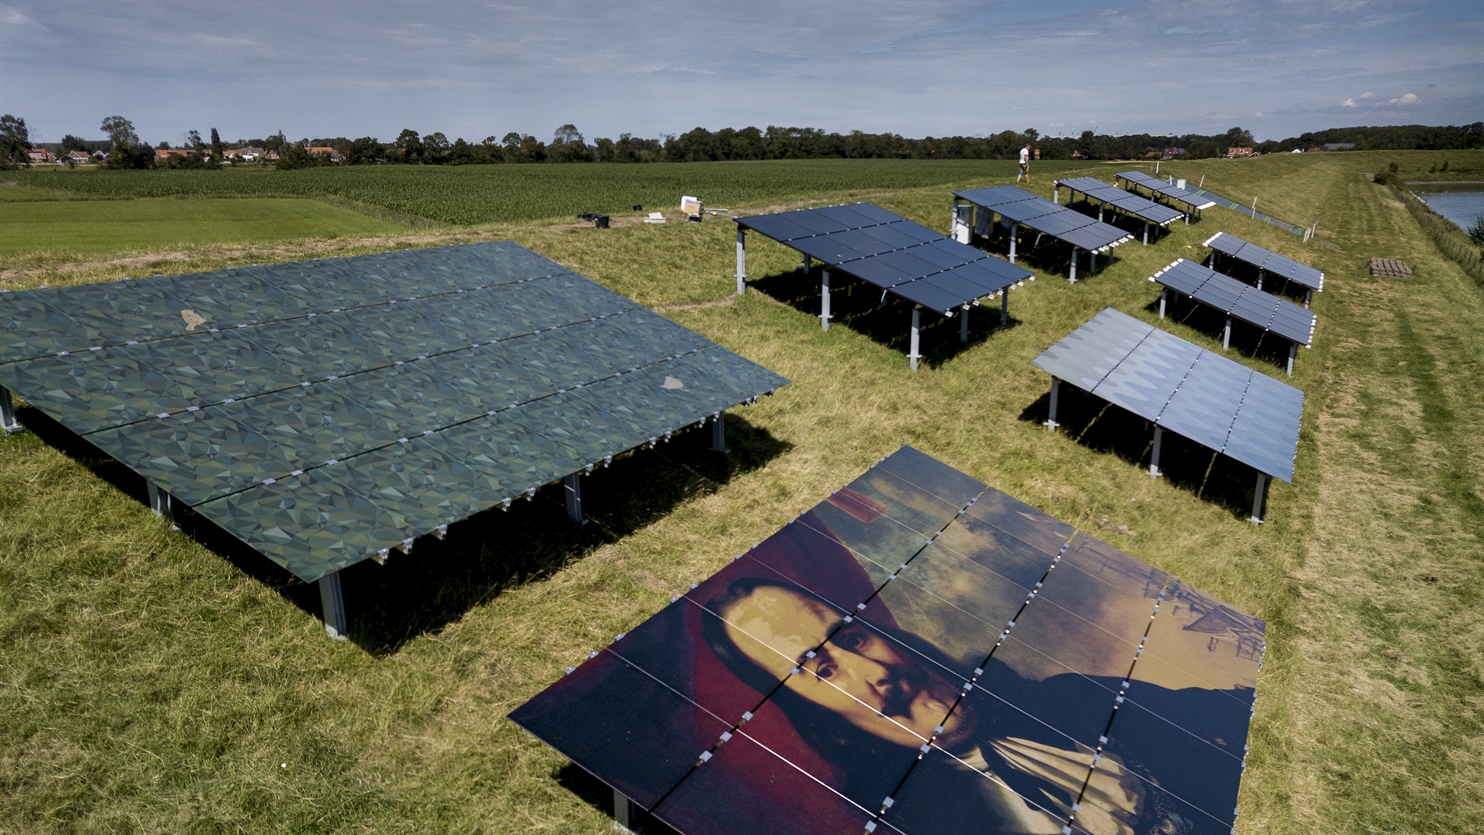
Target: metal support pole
(572,490)
(741,260)
(1092,260)
(916,329)
(1100,214)
(1262,482)
(332,606)
(1014,233)
(1163,295)
(1146,234)
(1056,194)
(159,502)
(1005,307)
(1292,352)
(719,432)
(824,299)
(7,413)
(1226,336)
(963,325)
(1072,276)
(1308,297)
(1051,423)
(623,812)
(1154,471)
(808,262)
(1259,279)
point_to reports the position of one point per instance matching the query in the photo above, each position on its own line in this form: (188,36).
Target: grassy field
(73,228)
(157,681)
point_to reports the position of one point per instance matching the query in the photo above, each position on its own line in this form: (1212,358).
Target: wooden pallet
(1391,267)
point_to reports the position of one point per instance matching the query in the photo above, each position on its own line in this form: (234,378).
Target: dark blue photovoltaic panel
(1203,396)
(891,252)
(345,427)
(1241,301)
(1266,260)
(1166,189)
(1125,201)
(1046,217)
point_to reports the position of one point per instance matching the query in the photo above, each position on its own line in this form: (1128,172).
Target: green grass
(152,681)
(498,193)
(71,228)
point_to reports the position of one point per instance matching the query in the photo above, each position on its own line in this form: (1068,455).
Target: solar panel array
(1190,197)
(1038,678)
(1124,201)
(325,411)
(1175,384)
(1239,300)
(1267,261)
(1046,217)
(905,258)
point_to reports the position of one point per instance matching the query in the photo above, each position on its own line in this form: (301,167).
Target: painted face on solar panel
(858,673)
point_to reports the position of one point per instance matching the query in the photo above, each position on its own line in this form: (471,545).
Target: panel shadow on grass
(885,319)
(440,580)
(594,792)
(1102,427)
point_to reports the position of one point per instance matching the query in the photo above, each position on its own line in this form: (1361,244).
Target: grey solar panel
(1187,196)
(932,293)
(777,227)
(1182,276)
(1270,262)
(1201,395)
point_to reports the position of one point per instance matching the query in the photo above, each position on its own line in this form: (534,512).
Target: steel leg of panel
(1259,279)
(916,334)
(1308,297)
(159,502)
(808,262)
(1056,194)
(572,491)
(1159,435)
(1226,336)
(1051,423)
(1014,233)
(1262,482)
(963,325)
(623,812)
(1005,307)
(1146,234)
(7,413)
(1100,214)
(1292,352)
(824,299)
(719,432)
(1092,260)
(1163,296)
(332,606)
(741,260)
(1072,276)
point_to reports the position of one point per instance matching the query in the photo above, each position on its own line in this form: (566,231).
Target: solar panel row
(1124,201)
(1042,215)
(1240,300)
(1192,198)
(909,260)
(1203,396)
(437,384)
(1267,261)
(1026,661)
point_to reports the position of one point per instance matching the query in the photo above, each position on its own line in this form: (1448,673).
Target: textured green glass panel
(589,429)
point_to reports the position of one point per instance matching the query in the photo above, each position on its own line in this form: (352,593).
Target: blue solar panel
(889,251)
(1242,301)
(1203,396)
(1046,217)
(1127,202)
(1268,261)
(1166,189)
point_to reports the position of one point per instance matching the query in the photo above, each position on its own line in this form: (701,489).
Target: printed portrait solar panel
(1200,395)
(1241,300)
(905,258)
(1266,260)
(1046,217)
(1193,199)
(1124,201)
(1031,669)
(324,411)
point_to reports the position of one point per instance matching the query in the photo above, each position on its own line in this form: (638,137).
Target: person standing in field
(1025,163)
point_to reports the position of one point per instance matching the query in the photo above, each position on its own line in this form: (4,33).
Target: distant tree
(120,131)
(1476,232)
(217,150)
(164,146)
(364,151)
(411,145)
(72,143)
(531,149)
(193,139)
(435,148)
(566,134)
(493,151)
(277,142)
(295,155)
(15,141)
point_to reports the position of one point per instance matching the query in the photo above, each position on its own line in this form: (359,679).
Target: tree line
(568,145)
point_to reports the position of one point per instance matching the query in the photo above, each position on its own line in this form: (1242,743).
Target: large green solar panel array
(326,411)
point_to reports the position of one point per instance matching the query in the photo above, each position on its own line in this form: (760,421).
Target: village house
(40,155)
(76,157)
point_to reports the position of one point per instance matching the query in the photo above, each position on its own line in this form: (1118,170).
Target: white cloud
(1348,103)
(1409,98)
(1368,95)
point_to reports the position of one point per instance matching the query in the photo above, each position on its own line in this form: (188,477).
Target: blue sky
(476,69)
